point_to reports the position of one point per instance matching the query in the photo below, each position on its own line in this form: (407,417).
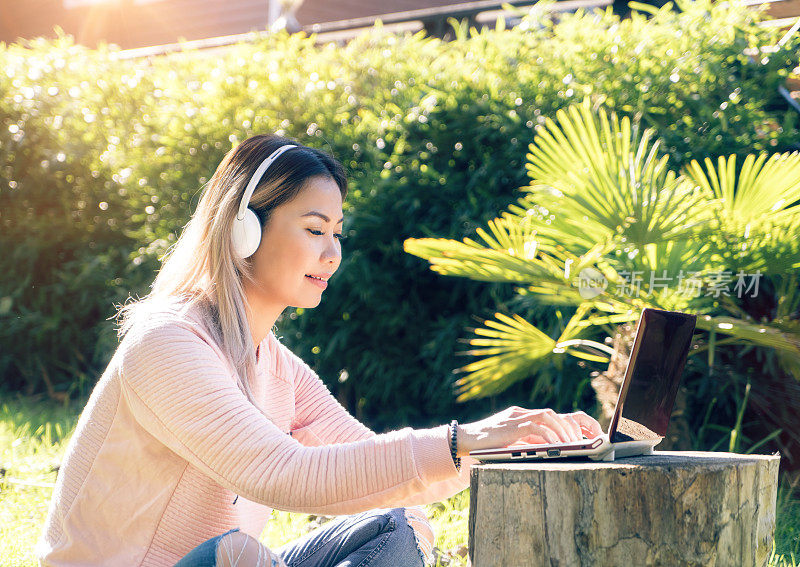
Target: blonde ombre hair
(201,269)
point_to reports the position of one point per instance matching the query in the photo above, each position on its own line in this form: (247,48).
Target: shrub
(434,137)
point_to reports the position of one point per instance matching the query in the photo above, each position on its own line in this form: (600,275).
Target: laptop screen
(654,372)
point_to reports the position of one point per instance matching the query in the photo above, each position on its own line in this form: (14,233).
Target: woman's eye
(319,233)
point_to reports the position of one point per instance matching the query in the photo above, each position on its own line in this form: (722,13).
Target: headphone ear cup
(246,234)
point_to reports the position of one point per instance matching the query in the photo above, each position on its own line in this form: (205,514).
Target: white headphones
(246,233)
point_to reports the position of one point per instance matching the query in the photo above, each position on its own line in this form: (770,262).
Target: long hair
(201,270)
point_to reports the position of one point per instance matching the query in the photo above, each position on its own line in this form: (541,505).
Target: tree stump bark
(666,509)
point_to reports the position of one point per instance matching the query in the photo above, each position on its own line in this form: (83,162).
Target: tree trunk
(667,509)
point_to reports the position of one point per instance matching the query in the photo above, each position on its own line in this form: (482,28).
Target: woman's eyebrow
(318,214)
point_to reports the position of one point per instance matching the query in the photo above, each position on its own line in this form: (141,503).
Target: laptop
(645,401)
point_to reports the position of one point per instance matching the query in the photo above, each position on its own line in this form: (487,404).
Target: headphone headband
(251,186)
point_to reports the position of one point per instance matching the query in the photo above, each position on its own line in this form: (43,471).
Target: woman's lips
(316,282)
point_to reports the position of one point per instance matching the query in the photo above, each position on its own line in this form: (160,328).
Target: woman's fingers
(557,424)
(588,424)
(516,425)
(275,560)
(540,431)
(530,440)
(575,428)
(566,427)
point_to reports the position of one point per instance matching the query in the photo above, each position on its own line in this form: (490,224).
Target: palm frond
(510,253)
(785,341)
(513,349)
(766,186)
(757,212)
(602,175)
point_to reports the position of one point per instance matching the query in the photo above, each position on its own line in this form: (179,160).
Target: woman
(203,421)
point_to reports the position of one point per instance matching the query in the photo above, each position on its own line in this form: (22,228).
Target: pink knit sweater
(169,453)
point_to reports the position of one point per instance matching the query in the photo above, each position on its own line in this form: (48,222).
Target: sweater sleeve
(321,419)
(183,393)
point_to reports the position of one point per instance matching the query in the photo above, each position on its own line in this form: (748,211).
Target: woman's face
(300,239)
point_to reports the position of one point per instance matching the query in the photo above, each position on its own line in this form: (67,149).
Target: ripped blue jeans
(377,538)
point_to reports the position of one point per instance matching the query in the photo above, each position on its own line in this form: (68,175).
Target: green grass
(33,436)
(32,440)
(787,527)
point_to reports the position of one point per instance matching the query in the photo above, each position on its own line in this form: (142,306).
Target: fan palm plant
(605,226)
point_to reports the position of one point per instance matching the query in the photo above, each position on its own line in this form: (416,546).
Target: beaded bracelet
(454,444)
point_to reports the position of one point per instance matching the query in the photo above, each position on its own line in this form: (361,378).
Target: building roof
(140,23)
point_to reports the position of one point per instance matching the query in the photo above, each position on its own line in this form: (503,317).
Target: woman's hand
(517,424)
(237,546)
(275,560)
(588,426)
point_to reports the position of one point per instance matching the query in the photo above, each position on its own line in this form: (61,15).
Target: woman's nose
(333,252)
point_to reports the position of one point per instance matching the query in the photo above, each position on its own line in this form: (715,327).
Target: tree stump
(666,509)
